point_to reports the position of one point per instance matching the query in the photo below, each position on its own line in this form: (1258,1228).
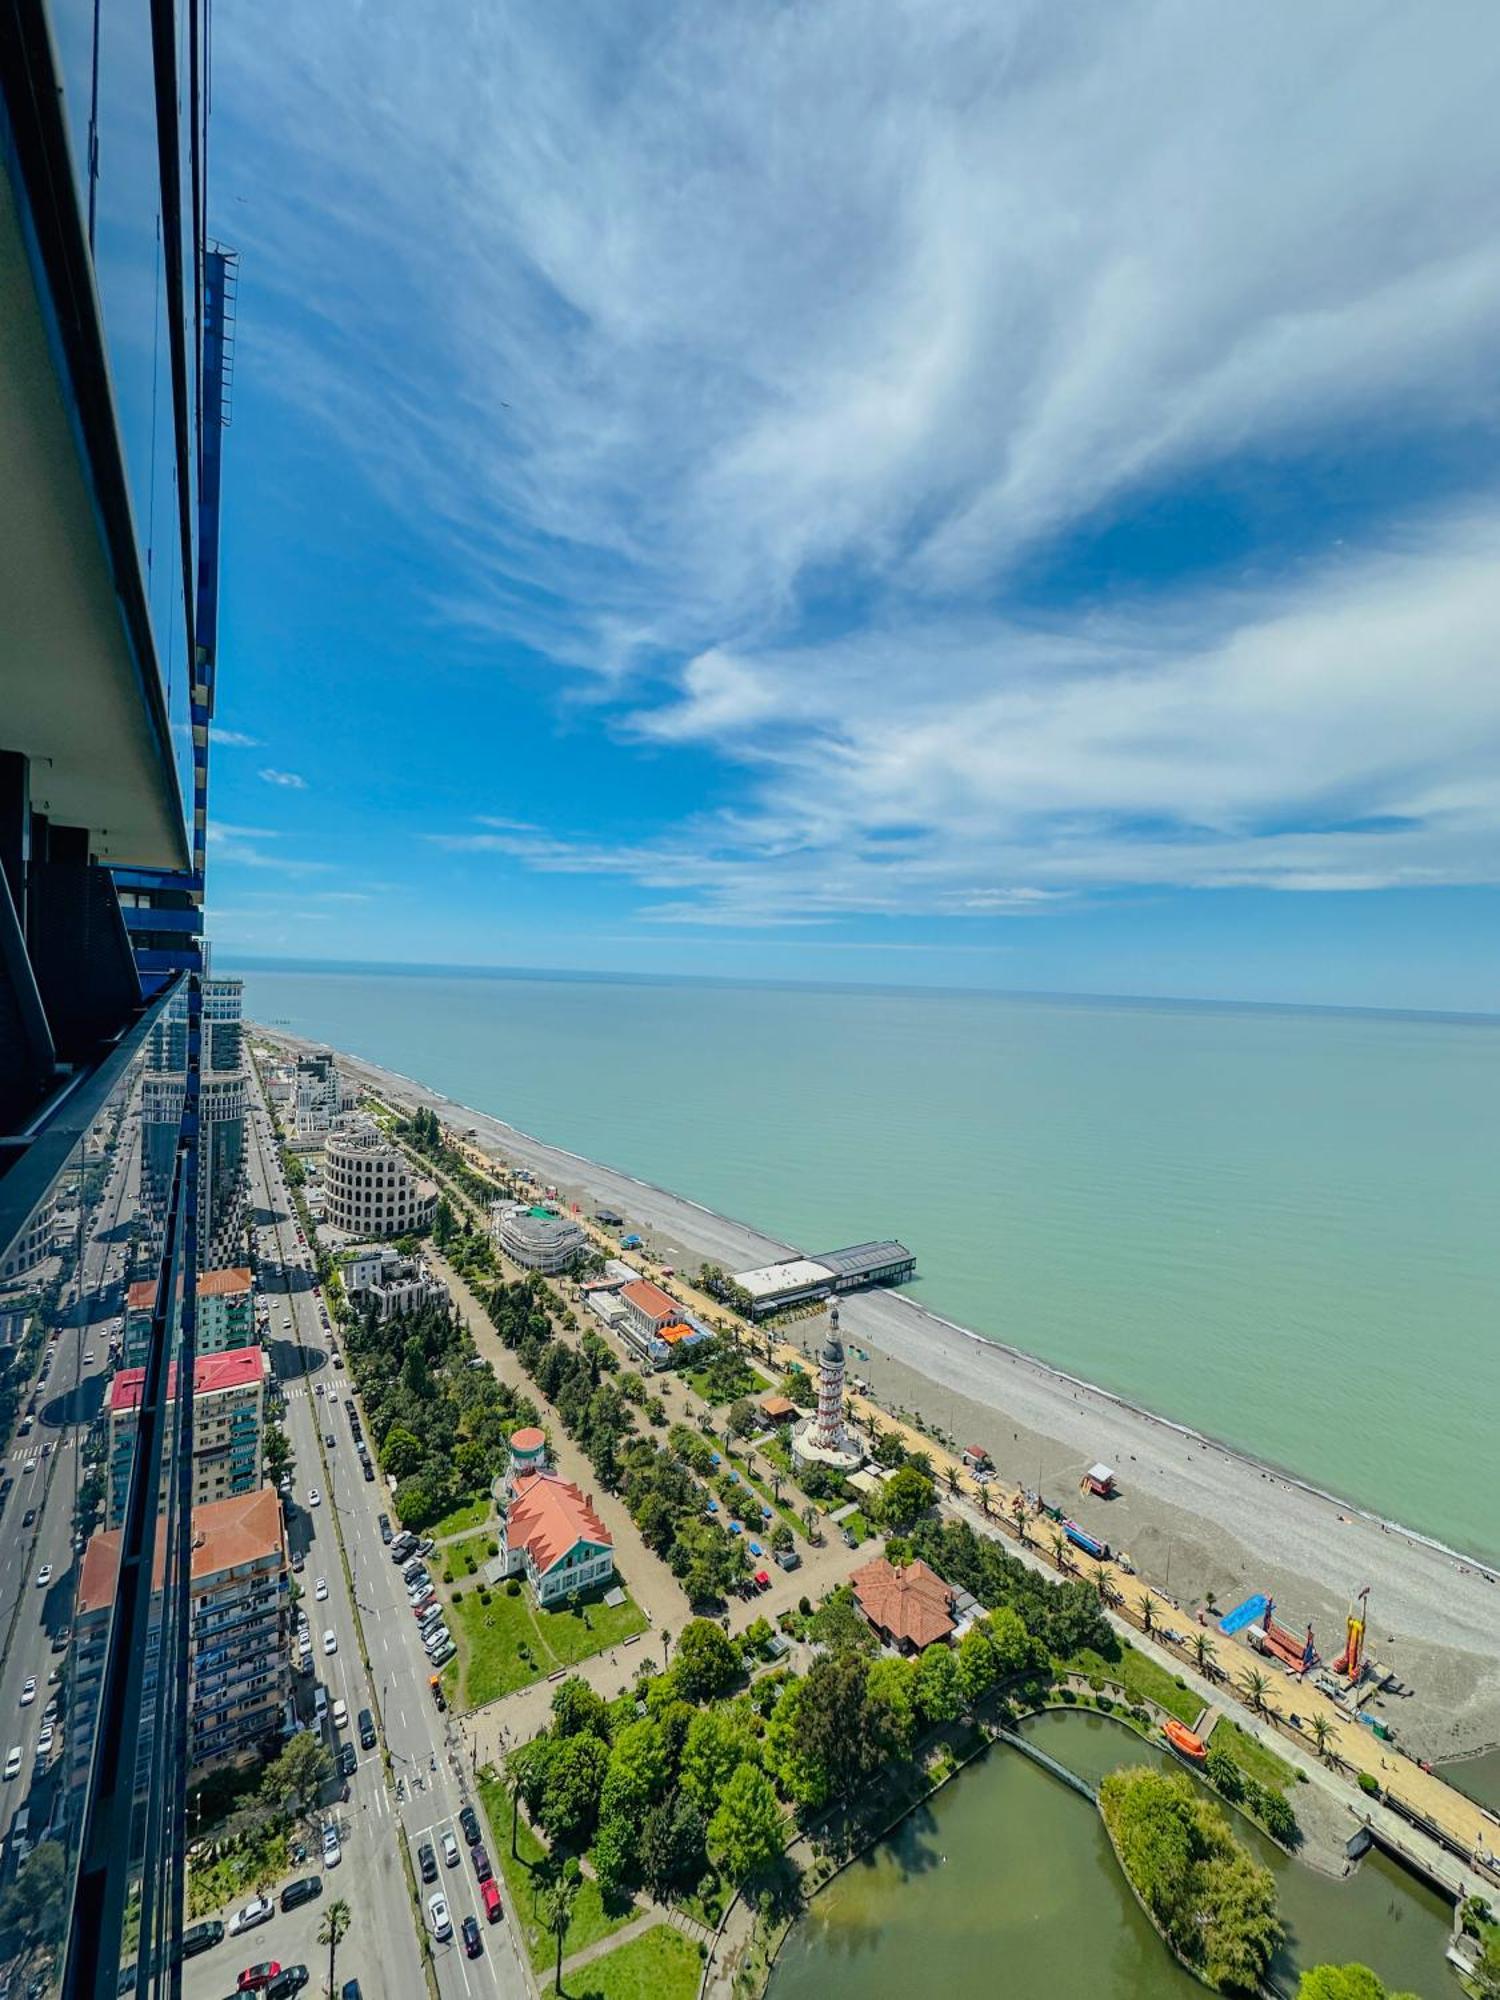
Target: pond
(1007,1877)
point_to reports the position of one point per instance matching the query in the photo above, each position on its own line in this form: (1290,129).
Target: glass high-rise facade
(121,1092)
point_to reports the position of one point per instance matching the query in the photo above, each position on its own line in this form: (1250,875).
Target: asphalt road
(429,1777)
(45,1469)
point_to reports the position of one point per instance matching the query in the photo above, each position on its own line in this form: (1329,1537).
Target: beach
(1193,1515)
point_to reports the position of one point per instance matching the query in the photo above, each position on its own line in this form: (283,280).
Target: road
(429,1779)
(44,1470)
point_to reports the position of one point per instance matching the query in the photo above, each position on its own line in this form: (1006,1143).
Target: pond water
(1478,1778)
(1006,1882)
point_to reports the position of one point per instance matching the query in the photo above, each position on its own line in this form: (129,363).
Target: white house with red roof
(550,1533)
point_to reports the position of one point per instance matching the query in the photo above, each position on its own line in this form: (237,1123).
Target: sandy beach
(1193,1515)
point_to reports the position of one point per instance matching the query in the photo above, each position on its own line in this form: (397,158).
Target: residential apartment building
(229,1413)
(226,1310)
(318,1096)
(239,1663)
(371,1187)
(392,1284)
(221,1149)
(537,1238)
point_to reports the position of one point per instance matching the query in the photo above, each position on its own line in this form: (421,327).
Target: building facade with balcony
(229,1410)
(537,1238)
(226,1310)
(371,1187)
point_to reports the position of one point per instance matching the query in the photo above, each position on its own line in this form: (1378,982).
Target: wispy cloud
(289,779)
(757,407)
(232,739)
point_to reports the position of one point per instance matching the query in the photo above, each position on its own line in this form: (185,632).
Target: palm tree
(810,1519)
(1210,1602)
(952,1478)
(1103,1583)
(1059,1543)
(1321,1731)
(336,1921)
(1148,1612)
(984,1501)
(557,1900)
(666,1641)
(1254,1686)
(1203,1653)
(1018,1510)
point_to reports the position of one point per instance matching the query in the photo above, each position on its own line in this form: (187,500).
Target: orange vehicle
(1184,1741)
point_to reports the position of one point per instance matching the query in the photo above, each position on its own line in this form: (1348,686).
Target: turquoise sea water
(1280,1227)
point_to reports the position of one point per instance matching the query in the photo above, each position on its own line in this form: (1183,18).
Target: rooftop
(527,1439)
(226,1535)
(793,1274)
(861,1257)
(549,1516)
(237,1369)
(652,1300)
(222,1284)
(141,1297)
(913,1604)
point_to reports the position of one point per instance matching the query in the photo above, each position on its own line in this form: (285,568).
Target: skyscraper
(117,1056)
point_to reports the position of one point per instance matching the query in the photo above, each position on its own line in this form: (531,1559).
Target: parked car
(385,1530)
(202,1937)
(450,1847)
(468,1819)
(306,1889)
(259,1910)
(367,1469)
(333,1852)
(482,1869)
(473,1942)
(489,1895)
(347,1761)
(291,1979)
(427,1861)
(254,1977)
(366,1729)
(442,1923)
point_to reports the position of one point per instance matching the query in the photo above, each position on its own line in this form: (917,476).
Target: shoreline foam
(1219,1519)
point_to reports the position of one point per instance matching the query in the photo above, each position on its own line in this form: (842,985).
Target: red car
(255,1976)
(490,1896)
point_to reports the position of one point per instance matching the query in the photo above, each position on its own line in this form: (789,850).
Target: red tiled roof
(549,1516)
(234,1370)
(912,1604)
(528,1439)
(220,1284)
(142,1296)
(651,1299)
(226,1534)
(778,1406)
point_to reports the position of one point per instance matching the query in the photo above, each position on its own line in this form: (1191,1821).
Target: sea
(1279,1226)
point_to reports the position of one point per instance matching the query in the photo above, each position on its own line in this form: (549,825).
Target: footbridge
(1028,1749)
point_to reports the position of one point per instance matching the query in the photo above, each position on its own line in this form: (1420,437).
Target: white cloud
(232,739)
(288,779)
(674,330)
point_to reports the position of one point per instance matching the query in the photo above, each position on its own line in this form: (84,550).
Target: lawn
(508,1643)
(1253,1758)
(459,1555)
(661,1964)
(591,1921)
(473,1514)
(1141,1678)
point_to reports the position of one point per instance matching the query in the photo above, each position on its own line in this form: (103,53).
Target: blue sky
(995,496)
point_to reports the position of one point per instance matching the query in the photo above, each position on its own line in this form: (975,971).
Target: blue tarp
(1249,1613)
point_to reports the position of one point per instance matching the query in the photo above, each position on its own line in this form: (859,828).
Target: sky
(995,496)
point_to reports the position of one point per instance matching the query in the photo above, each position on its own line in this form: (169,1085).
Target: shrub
(458,1597)
(1068,1696)
(1106,1704)
(492,1548)
(447,1576)
(1369,1785)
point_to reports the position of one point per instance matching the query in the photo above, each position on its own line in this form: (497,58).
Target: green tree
(1222,1771)
(906,1496)
(823,1738)
(707,1663)
(1487,1967)
(402,1452)
(977,1665)
(1016,1652)
(332,1931)
(891,1689)
(578,1711)
(1345,1982)
(1277,1817)
(278,1453)
(671,1848)
(36,1902)
(555,1908)
(742,1417)
(291,1781)
(614,1855)
(718,1741)
(747,1831)
(569,1806)
(939,1694)
(444,1223)
(637,1773)
(839,1624)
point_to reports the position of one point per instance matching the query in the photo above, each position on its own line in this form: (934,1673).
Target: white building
(537,1238)
(392,1284)
(551,1534)
(825,1439)
(372,1188)
(320,1095)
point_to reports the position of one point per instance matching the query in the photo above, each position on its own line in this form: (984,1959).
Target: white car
(340,1712)
(442,1923)
(320,1589)
(13,1762)
(28,1693)
(259,1910)
(333,1852)
(450,1847)
(44,1741)
(330,1641)
(314,1497)
(88,1357)
(44,1576)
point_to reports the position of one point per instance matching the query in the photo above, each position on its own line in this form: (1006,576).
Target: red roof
(913,1605)
(527,1439)
(142,1296)
(549,1516)
(220,1284)
(226,1535)
(651,1300)
(234,1370)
